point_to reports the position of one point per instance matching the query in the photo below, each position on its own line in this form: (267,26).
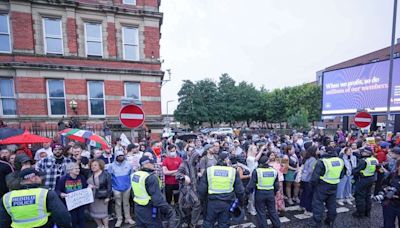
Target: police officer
(265,183)
(32,206)
(149,201)
(327,174)
(220,185)
(364,174)
(391,198)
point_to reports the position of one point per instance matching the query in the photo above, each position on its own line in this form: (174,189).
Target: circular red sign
(362,119)
(131,116)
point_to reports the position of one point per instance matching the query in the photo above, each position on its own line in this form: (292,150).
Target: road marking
(249,224)
(293,208)
(282,219)
(340,209)
(302,216)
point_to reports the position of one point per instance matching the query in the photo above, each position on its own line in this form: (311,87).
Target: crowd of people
(266,172)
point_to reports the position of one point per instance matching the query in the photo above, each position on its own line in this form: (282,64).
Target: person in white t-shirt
(253,155)
(133,156)
(46,148)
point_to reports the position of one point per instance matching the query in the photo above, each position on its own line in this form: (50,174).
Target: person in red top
(170,167)
(380,152)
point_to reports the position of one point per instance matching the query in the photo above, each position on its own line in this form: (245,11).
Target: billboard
(347,90)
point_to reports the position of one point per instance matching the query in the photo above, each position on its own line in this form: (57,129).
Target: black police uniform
(218,205)
(144,214)
(264,198)
(323,193)
(362,191)
(391,207)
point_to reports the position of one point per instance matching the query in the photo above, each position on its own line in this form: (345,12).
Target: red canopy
(25,138)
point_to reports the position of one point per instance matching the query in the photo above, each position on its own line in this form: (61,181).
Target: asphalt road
(294,218)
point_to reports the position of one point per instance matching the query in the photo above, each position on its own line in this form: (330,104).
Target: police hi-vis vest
(27,207)
(370,168)
(220,179)
(333,168)
(266,178)
(138,183)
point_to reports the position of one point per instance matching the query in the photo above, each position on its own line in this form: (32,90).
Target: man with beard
(54,167)
(5,169)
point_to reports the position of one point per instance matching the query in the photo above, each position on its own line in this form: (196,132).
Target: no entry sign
(362,119)
(131,116)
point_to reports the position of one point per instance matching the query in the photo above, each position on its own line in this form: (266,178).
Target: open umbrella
(6,132)
(187,137)
(25,138)
(84,136)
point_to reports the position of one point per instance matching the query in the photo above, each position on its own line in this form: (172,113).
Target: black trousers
(324,193)
(217,210)
(362,194)
(390,213)
(144,217)
(169,192)
(266,199)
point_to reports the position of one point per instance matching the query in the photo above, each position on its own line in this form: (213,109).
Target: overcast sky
(275,43)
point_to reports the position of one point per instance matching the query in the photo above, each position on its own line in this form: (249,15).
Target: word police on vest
(23,200)
(268,174)
(335,163)
(135,178)
(221,173)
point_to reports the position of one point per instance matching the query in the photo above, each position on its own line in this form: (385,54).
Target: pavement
(295,218)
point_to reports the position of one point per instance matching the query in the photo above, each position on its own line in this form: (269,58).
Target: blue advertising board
(361,87)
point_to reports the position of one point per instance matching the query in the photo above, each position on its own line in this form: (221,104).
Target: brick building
(92,53)
(375,56)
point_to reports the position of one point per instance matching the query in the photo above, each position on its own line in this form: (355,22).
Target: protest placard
(79,198)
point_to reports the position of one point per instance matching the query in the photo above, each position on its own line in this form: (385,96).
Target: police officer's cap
(223,155)
(30,172)
(145,159)
(263,159)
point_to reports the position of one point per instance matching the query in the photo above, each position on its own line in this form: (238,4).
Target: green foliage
(226,101)
(299,120)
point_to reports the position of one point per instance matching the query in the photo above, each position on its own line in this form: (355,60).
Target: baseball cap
(22,158)
(30,172)
(145,159)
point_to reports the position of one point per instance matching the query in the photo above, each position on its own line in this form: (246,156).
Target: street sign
(131,116)
(362,119)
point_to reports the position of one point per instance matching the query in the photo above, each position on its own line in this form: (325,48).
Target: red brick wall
(111,40)
(151,89)
(155,136)
(75,86)
(32,106)
(152,3)
(151,42)
(113,107)
(152,107)
(30,85)
(71,36)
(114,88)
(22,30)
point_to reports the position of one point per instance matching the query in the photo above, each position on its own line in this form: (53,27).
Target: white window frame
(124,43)
(101,39)
(140,91)
(1,101)
(49,98)
(9,33)
(52,36)
(89,98)
(128,3)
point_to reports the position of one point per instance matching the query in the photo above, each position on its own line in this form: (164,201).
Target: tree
(225,99)
(299,120)
(248,103)
(185,112)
